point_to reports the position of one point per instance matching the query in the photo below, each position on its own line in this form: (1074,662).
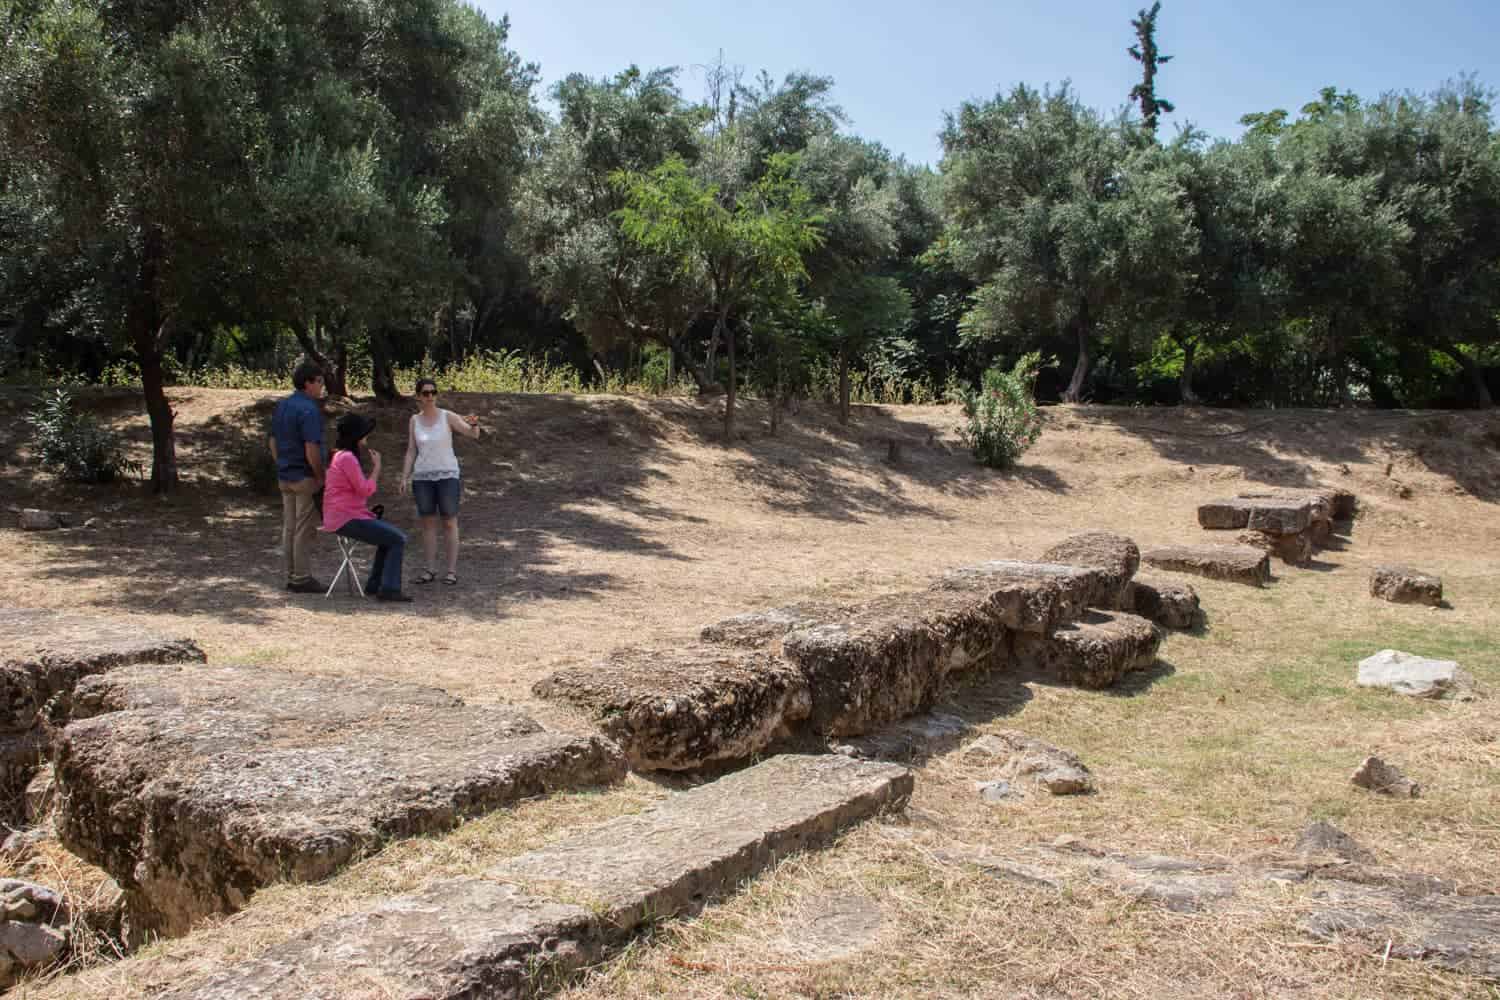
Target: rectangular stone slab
(194,787)
(678,709)
(553,911)
(1237,563)
(43,654)
(883,660)
(696,845)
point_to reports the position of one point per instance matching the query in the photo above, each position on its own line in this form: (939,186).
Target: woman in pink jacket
(344,512)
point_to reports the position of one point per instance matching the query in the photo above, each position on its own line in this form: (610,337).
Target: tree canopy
(377,184)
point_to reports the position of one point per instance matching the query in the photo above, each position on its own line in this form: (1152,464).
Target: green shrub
(1002,414)
(74,446)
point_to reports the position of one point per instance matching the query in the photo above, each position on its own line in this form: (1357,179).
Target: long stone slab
(43,655)
(756,629)
(1237,563)
(194,787)
(677,709)
(1030,596)
(540,916)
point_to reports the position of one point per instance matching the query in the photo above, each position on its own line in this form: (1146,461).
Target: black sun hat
(351,427)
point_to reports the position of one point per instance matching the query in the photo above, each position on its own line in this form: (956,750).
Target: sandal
(451,579)
(426,576)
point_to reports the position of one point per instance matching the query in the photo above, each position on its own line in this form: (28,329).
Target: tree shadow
(212,547)
(1278,448)
(813,466)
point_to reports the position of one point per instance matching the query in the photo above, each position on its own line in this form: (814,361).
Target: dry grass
(589,521)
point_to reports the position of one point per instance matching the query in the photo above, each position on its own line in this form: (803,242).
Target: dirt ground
(591,522)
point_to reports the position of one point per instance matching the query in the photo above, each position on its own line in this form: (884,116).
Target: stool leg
(355,583)
(335,581)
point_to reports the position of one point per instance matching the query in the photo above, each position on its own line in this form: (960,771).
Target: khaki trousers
(299,527)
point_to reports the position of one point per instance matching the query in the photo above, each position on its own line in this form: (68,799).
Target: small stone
(93,523)
(43,900)
(996,791)
(1058,771)
(1405,585)
(1325,838)
(31,945)
(911,739)
(40,792)
(1378,776)
(20,909)
(19,845)
(1415,676)
(42,520)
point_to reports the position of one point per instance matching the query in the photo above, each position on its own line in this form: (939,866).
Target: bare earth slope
(592,523)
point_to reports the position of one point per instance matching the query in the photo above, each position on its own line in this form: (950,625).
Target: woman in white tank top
(431,474)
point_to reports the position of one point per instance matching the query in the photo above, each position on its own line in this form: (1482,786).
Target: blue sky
(899,66)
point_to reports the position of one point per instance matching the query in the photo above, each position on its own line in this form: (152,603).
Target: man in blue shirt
(297,446)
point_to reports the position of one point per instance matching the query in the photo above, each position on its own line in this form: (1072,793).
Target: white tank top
(435,458)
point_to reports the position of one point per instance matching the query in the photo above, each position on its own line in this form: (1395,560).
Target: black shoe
(307,586)
(394,595)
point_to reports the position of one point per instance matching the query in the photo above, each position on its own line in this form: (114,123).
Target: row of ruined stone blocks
(832,671)
(1291,524)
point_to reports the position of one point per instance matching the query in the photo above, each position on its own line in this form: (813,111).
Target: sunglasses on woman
(427,392)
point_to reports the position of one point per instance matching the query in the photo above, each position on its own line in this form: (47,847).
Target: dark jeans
(390,546)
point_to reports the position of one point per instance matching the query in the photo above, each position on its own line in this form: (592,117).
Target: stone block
(1405,585)
(883,660)
(1114,555)
(1094,652)
(1415,676)
(1236,563)
(1275,514)
(1169,604)
(678,709)
(194,787)
(1294,550)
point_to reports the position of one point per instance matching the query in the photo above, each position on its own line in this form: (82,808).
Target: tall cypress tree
(1145,53)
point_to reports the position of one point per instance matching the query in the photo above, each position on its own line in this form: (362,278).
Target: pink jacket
(345,492)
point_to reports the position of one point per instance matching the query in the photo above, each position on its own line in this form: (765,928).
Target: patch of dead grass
(577,535)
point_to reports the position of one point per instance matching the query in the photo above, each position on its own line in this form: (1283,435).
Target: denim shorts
(436,496)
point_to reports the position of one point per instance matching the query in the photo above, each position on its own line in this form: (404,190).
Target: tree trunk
(1074,391)
(1482,398)
(721,327)
(776,399)
(711,359)
(844,384)
(382,374)
(333,373)
(148,333)
(1189,350)
(680,352)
